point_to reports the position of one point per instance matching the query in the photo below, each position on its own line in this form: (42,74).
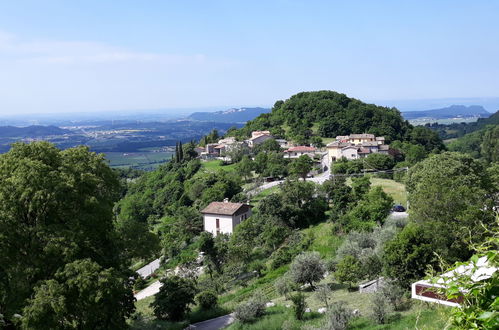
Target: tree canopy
(56,207)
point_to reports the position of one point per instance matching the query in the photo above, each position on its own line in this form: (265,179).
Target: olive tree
(307,267)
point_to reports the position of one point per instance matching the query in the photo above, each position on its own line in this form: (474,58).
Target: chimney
(226,200)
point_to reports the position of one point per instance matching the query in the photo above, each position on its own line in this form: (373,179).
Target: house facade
(356,146)
(223,217)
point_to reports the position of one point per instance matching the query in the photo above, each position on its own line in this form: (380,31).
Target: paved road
(151,290)
(149,268)
(213,324)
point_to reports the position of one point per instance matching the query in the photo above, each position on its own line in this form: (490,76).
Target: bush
(207,300)
(338,317)
(380,308)
(349,270)
(394,294)
(250,310)
(323,293)
(299,305)
(283,286)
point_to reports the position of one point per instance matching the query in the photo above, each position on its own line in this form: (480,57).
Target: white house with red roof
(296,152)
(223,217)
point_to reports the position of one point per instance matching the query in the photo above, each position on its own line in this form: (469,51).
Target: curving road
(151,290)
(213,324)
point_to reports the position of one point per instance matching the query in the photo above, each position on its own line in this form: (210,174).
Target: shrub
(380,308)
(283,286)
(250,310)
(299,305)
(349,270)
(323,293)
(338,317)
(207,300)
(394,294)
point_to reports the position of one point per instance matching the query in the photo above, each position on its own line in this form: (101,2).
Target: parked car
(398,208)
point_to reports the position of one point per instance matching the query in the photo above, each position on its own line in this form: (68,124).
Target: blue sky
(76,56)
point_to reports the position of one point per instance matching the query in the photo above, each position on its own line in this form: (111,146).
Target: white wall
(210,223)
(227,223)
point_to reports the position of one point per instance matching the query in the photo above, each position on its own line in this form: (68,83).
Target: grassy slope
(215,165)
(392,188)
(419,317)
(326,244)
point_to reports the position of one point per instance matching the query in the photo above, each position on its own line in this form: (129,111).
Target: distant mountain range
(31,131)
(454,111)
(233,115)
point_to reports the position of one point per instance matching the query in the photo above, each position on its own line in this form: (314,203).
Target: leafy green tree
(371,211)
(408,255)
(349,270)
(427,138)
(298,204)
(490,145)
(307,267)
(337,192)
(260,162)
(270,145)
(360,186)
(245,167)
(412,153)
(379,161)
(317,142)
(172,301)
(82,295)
(207,300)
(449,196)
(136,239)
(56,207)
(301,166)
(214,256)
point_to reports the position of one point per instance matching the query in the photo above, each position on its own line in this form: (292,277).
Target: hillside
(454,111)
(327,114)
(31,131)
(457,130)
(234,115)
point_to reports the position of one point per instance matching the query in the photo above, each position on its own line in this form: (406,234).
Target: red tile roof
(224,208)
(301,149)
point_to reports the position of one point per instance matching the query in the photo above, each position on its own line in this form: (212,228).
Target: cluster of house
(223,146)
(355,146)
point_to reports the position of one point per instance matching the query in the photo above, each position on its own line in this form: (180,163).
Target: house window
(218,226)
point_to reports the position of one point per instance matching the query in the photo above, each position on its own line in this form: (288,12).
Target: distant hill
(31,131)
(454,111)
(233,115)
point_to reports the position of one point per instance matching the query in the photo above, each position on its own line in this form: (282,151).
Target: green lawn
(392,188)
(324,242)
(255,200)
(216,165)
